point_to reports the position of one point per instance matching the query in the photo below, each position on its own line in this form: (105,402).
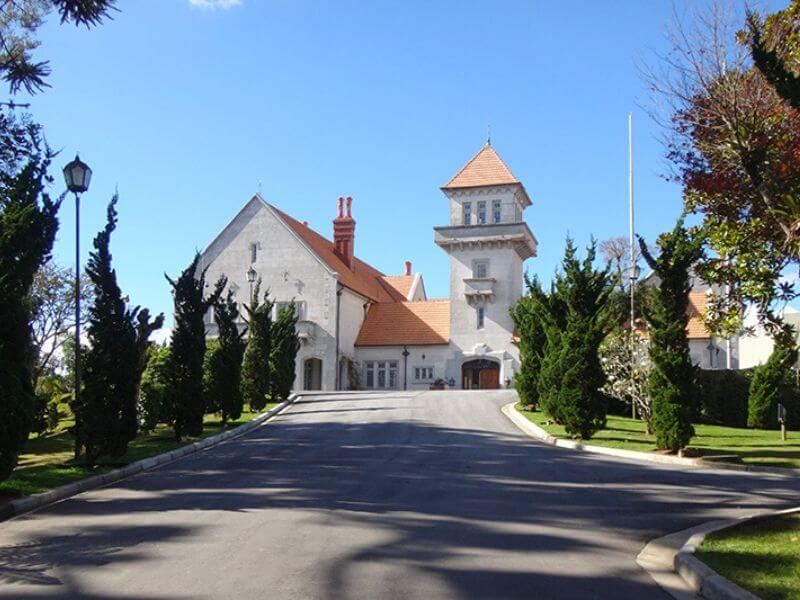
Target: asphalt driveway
(430,495)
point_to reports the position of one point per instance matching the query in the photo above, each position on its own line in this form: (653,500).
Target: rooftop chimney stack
(408,267)
(344,233)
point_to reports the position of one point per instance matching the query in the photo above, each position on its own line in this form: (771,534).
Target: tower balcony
(517,236)
(479,290)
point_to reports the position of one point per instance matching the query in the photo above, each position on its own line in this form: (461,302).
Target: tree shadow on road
(445,497)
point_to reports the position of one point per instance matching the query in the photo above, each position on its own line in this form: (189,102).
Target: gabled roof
(424,323)
(400,283)
(363,279)
(485,168)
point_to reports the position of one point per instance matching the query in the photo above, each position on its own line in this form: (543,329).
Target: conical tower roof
(485,168)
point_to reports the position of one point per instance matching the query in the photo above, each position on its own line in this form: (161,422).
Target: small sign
(781,413)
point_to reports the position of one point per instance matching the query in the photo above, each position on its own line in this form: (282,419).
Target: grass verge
(751,446)
(762,556)
(47,461)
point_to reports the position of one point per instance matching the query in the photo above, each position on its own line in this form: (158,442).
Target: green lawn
(47,460)
(752,446)
(762,556)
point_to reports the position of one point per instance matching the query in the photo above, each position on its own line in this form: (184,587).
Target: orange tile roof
(424,323)
(485,168)
(401,283)
(363,279)
(696,328)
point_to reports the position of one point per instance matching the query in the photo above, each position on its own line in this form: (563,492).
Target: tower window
(481,317)
(253,252)
(482,212)
(496,213)
(480,269)
(467,213)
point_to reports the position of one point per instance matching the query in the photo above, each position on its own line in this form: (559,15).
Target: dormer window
(482,212)
(467,213)
(496,212)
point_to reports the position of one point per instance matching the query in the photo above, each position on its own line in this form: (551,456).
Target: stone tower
(488,241)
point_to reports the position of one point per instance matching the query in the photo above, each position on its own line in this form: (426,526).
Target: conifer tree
(771,381)
(672,376)
(223,370)
(28,226)
(188,348)
(114,361)
(256,372)
(285,345)
(532,340)
(584,290)
(551,311)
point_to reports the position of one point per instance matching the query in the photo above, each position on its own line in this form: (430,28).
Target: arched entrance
(312,374)
(481,374)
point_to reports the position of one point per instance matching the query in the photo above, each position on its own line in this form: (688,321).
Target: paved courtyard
(404,495)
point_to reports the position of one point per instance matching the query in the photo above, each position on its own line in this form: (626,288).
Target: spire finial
(489,134)
(259,187)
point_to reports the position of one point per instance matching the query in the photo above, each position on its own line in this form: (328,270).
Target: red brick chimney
(408,267)
(344,233)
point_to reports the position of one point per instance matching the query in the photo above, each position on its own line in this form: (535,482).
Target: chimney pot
(341,207)
(305,223)
(408,267)
(349,203)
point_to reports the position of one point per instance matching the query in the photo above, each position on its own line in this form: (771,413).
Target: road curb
(33,502)
(540,434)
(673,556)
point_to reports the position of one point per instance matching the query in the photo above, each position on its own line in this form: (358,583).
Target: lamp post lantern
(251,278)
(77,176)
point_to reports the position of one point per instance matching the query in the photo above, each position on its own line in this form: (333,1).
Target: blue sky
(186,105)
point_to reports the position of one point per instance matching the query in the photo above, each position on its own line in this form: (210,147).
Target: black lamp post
(251,278)
(77,176)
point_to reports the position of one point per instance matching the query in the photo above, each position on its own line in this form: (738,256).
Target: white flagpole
(631,274)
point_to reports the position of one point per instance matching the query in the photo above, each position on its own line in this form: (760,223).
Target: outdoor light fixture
(251,275)
(77,175)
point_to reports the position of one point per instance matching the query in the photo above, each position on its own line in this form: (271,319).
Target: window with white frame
(380,374)
(466,213)
(480,269)
(423,373)
(482,212)
(481,317)
(299,309)
(496,211)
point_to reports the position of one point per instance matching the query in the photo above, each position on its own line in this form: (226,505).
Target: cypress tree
(232,346)
(256,372)
(532,340)
(551,311)
(28,226)
(771,382)
(581,405)
(285,345)
(672,376)
(114,360)
(188,347)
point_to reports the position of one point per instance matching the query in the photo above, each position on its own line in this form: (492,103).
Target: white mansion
(362,329)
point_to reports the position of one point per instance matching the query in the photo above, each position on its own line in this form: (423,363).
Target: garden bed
(749,446)
(47,461)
